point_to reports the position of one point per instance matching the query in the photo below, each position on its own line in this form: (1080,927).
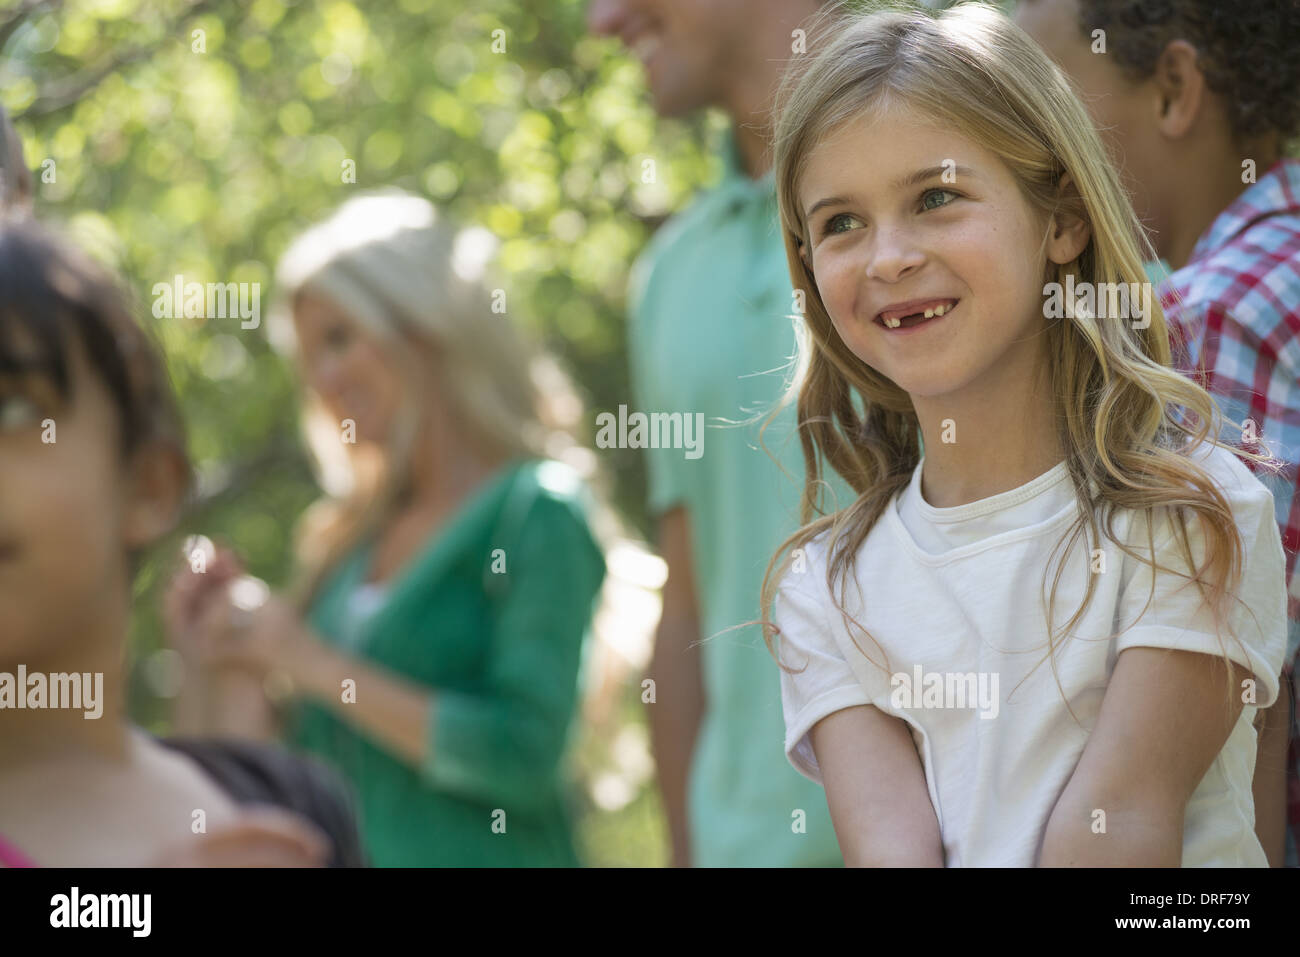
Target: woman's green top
(491,616)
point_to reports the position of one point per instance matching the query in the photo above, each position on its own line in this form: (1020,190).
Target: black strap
(255,773)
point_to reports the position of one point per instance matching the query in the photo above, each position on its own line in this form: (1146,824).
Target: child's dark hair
(50,295)
(1247,51)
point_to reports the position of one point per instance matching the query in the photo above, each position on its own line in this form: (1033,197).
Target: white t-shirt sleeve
(820,681)
(1178,618)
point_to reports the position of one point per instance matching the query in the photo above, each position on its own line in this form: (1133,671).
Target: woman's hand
(222,618)
(191,590)
(211,701)
(248,627)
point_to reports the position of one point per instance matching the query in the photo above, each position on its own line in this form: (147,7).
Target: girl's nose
(893,255)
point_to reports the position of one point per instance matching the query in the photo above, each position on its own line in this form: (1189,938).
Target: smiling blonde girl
(1042,631)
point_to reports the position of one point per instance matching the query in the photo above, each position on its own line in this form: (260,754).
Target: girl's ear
(155,490)
(1070,232)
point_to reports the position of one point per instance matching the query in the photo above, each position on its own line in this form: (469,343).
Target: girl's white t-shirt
(955,600)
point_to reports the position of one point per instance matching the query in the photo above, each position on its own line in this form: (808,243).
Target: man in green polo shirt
(711,333)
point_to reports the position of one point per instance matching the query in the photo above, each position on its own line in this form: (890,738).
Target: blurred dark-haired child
(92,471)
(1199,100)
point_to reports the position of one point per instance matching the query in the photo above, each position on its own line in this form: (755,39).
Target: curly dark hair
(1249,51)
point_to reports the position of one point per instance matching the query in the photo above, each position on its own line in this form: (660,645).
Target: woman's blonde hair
(392,262)
(1116,398)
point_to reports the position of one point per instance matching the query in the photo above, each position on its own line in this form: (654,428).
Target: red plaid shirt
(1234,324)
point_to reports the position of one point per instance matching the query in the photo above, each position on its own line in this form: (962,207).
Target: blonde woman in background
(431,647)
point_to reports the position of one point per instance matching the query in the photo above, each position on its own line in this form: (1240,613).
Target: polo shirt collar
(1277,191)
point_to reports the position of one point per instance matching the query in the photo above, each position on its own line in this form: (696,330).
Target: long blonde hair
(1116,397)
(396,266)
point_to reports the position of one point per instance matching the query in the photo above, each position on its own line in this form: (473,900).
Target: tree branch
(279,451)
(70,90)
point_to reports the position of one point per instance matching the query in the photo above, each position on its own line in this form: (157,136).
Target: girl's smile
(905,316)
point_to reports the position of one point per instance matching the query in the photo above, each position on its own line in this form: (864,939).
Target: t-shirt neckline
(984,506)
(936,536)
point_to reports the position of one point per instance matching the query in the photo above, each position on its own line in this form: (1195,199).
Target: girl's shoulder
(805,574)
(1249,499)
(1228,470)
(255,773)
(1245,493)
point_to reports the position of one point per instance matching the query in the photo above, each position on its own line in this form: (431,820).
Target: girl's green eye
(832,224)
(931,193)
(17,412)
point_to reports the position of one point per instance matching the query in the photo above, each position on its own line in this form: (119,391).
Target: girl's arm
(1163,720)
(876,790)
